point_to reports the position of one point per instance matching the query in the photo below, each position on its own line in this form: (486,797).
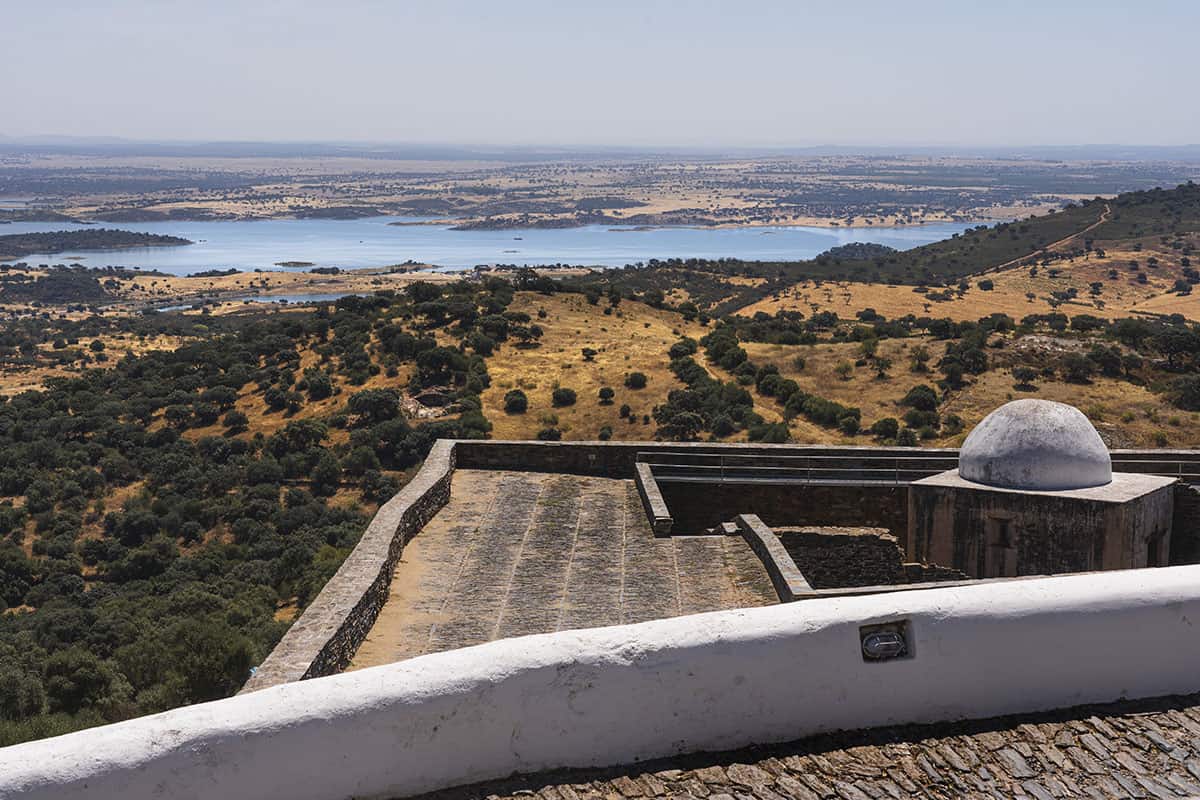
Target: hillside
(1167,220)
(175,487)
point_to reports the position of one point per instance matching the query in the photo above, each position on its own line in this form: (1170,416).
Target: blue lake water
(249,245)
(264,298)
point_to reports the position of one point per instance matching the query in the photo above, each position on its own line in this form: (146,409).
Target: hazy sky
(638,72)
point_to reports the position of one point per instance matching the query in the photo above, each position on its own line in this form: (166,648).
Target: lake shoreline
(274,245)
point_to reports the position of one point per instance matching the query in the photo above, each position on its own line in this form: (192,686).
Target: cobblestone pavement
(1137,749)
(516,553)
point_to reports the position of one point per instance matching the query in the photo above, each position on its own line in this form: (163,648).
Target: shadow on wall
(695,507)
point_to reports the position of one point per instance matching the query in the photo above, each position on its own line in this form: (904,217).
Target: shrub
(952,425)
(1078,369)
(906,438)
(606,433)
(684,347)
(916,418)
(886,428)
(922,398)
(636,380)
(563,396)
(326,476)
(770,433)
(1024,376)
(372,406)
(236,421)
(1185,392)
(549,435)
(606,395)
(515,402)
(826,413)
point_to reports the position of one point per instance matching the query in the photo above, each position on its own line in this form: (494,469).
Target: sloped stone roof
(1135,749)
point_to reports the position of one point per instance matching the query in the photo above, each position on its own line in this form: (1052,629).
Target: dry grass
(635,339)
(1127,415)
(14,380)
(1119,297)
(159,288)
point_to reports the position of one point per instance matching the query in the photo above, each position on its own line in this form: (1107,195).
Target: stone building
(1034,493)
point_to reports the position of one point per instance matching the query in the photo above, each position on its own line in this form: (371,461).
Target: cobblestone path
(515,553)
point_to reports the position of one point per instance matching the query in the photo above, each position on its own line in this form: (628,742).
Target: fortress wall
(323,640)
(835,558)
(618,695)
(697,506)
(616,459)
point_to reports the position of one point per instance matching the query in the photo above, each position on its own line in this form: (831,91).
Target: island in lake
(19,245)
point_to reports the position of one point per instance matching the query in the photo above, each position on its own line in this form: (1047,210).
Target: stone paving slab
(517,553)
(1148,749)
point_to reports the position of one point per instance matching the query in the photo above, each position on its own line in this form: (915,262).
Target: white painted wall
(616,695)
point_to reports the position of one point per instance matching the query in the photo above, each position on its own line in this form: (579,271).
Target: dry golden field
(164,288)
(14,380)
(1127,415)
(1119,297)
(635,338)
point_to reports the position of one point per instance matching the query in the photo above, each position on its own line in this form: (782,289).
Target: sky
(605,72)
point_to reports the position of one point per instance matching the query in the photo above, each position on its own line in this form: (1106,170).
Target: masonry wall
(616,459)
(1185,526)
(698,506)
(327,634)
(1053,535)
(834,558)
(624,694)
(325,637)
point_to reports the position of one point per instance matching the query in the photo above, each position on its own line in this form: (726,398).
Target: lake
(260,244)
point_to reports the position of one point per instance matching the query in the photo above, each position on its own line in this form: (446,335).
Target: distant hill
(1154,212)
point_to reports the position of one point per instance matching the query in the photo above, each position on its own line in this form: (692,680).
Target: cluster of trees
(155,537)
(18,245)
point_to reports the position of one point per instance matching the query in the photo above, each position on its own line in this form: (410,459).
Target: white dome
(1035,444)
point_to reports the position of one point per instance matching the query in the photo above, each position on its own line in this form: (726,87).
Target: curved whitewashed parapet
(323,640)
(623,694)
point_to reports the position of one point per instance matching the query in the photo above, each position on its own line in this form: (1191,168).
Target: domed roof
(1035,444)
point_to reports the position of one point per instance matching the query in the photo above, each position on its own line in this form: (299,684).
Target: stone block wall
(1048,533)
(616,459)
(696,507)
(835,558)
(323,640)
(1185,526)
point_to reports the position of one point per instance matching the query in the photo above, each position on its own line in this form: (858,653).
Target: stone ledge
(652,500)
(785,576)
(323,640)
